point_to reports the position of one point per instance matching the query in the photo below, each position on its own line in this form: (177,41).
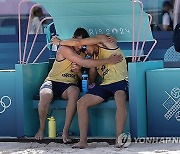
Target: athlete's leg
(46,96)
(71,93)
(120,98)
(83,104)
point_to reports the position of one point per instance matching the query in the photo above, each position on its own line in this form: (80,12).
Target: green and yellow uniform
(112,73)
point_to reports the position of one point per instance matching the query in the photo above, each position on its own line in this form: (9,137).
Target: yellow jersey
(61,72)
(112,73)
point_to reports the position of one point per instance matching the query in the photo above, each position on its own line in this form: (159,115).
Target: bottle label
(54,47)
(84,86)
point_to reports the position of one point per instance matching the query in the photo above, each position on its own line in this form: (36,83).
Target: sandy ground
(94,148)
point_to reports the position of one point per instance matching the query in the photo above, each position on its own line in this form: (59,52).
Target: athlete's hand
(115,58)
(111,39)
(75,68)
(91,85)
(55,40)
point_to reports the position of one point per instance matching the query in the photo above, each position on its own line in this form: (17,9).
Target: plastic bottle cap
(52,118)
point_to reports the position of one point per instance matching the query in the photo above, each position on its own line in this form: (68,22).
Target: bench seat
(61,104)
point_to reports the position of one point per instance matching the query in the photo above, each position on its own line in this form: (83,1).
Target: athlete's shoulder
(63,50)
(63,47)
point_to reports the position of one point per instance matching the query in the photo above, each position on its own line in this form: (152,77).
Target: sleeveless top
(61,72)
(112,73)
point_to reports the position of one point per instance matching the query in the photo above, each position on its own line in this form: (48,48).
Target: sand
(94,148)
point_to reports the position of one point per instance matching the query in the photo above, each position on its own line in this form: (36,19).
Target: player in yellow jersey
(114,83)
(62,81)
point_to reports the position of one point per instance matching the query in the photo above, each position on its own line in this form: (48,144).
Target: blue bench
(59,105)
(29,77)
(104,113)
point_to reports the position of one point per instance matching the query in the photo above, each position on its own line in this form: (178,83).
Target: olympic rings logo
(3,103)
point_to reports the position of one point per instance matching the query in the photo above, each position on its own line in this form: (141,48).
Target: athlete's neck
(96,50)
(78,52)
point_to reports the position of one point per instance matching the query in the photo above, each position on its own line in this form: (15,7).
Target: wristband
(83,48)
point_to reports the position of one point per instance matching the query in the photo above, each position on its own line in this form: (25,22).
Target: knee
(45,98)
(81,105)
(73,91)
(46,94)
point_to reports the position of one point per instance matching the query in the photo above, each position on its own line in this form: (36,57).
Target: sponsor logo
(67,75)
(5,103)
(110,31)
(172,104)
(104,70)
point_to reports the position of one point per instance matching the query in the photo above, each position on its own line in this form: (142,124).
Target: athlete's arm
(69,54)
(76,69)
(78,42)
(92,75)
(103,40)
(70,42)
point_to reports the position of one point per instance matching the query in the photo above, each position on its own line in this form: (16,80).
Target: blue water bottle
(84,82)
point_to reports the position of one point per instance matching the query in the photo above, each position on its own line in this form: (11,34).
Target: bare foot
(80,145)
(39,135)
(66,138)
(118,146)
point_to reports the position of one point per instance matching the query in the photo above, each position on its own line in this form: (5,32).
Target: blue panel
(8,104)
(9,30)
(163,101)
(19,100)
(164,42)
(171,55)
(137,96)
(102,122)
(9,54)
(29,77)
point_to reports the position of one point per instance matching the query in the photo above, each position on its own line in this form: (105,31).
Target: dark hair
(167,3)
(81,32)
(37,11)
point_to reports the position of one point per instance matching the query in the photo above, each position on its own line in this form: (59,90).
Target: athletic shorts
(57,87)
(106,91)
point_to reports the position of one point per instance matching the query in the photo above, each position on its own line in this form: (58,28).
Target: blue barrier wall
(8,103)
(28,80)
(164,42)
(163,102)
(9,50)
(137,95)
